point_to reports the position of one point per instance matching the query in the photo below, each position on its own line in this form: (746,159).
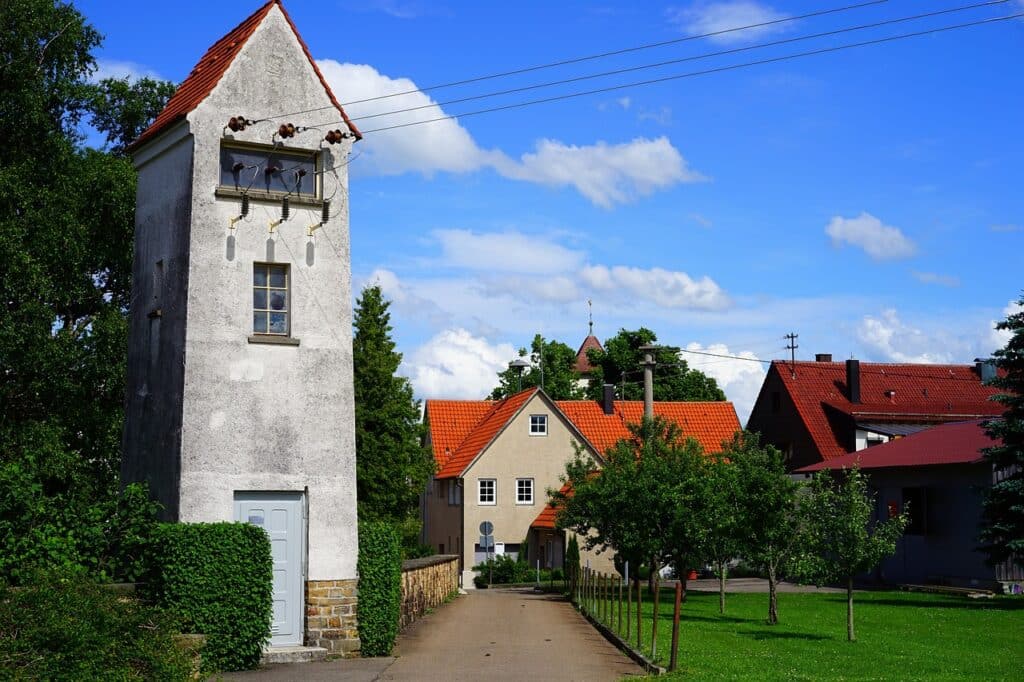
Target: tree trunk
(654,626)
(849,610)
(723,566)
(773,605)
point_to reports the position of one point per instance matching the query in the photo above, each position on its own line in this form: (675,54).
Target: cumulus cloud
(712,17)
(740,379)
(456,364)
(604,173)
(404,298)
(116,68)
(509,251)
(894,340)
(668,288)
(880,241)
(935,278)
(998,338)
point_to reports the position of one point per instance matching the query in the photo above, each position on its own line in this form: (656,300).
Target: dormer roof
(206,74)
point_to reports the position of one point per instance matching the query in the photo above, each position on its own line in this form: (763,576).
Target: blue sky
(868,200)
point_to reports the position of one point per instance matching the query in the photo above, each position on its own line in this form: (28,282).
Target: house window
(915,504)
(487,491)
(524,491)
(538,425)
(454,493)
(270,309)
(268,171)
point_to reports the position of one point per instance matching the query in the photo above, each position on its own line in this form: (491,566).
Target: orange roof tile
(546,518)
(207,73)
(583,365)
(484,432)
(710,423)
(923,394)
(450,421)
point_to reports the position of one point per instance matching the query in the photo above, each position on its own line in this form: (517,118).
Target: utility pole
(791,347)
(649,364)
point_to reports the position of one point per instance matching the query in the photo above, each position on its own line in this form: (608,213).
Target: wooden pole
(619,629)
(639,611)
(675,626)
(629,605)
(654,619)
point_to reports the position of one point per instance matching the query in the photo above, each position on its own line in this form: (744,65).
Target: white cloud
(998,338)
(880,241)
(740,379)
(115,68)
(661,116)
(711,17)
(604,173)
(505,252)
(404,298)
(701,220)
(668,288)
(624,102)
(456,364)
(899,342)
(1008,227)
(935,278)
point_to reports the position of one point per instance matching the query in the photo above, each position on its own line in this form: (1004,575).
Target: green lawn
(900,636)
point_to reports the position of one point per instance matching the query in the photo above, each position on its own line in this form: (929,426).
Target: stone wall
(426,583)
(331,615)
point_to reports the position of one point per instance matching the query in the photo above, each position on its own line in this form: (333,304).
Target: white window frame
(541,423)
(268,310)
(480,491)
(531,488)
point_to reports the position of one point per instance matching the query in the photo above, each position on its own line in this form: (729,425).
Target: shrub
(380,587)
(60,626)
(504,570)
(216,579)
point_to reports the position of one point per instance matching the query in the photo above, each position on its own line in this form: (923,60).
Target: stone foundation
(331,615)
(426,584)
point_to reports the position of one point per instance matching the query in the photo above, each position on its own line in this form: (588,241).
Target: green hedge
(61,626)
(380,587)
(216,578)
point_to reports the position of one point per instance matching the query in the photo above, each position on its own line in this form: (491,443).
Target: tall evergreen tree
(392,463)
(1002,531)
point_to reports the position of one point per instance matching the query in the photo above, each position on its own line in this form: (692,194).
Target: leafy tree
(552,365)
(392,464)
(1002,531)
(122,109)
(572,564)
(722,519)
(769,513)
(842,541)
(66,226)
(619,364)
(639,502)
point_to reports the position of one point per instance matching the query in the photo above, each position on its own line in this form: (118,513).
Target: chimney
(853,380)
(608,402)
(986,369)
(823,357)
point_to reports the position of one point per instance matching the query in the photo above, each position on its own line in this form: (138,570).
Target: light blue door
(281,515)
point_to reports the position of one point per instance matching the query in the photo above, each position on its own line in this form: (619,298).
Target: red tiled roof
(953,443)
(923,393)
(483,433)
(583,365)
(546,518)
(207,73)
(461,429)
(711,423)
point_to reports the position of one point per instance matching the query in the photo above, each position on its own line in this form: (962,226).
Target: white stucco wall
(861,438)
(262,417)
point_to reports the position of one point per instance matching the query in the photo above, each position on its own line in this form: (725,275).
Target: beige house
(497,459)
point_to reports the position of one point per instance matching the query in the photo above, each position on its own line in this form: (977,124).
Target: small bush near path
(215,578)
(380,587)
(902,636)
(63,627)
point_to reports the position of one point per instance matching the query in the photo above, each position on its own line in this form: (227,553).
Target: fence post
(675,626)
(619,628)
(654,617)
(629,600)
(639,613)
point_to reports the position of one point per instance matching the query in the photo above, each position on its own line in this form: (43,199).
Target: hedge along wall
(216,579)
(426,584)
(380,598)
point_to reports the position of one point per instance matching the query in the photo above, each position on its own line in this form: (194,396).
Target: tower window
(268,171)
(270,300)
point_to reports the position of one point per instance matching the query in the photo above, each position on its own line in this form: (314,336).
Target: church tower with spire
(583,366)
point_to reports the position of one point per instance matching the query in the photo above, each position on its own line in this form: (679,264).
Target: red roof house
(817,411)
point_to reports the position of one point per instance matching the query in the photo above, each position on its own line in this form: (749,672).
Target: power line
(724,355)
(602,55)
(731,67)
(706,55)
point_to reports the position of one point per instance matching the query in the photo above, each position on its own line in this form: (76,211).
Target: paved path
(493,635)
